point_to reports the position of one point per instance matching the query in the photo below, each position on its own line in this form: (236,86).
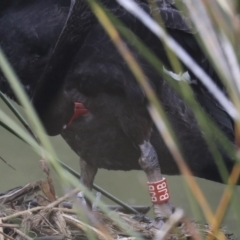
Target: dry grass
(28,213)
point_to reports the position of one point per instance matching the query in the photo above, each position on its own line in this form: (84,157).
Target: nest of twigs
(33,212)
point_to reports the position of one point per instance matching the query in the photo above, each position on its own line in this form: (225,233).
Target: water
(128,186)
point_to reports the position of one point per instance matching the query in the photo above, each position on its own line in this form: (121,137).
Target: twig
(6,236)
(19,192)
(51,205)
(7,163)
(125,238)
(8,225)
(55,237)
(1,231)
(82,226)
(61,225)
(66,210)
(174,219)
(61,199)
(4,219)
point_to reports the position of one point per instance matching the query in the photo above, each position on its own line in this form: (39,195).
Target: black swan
(83,89)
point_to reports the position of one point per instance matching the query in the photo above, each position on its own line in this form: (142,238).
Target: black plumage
(95,74)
